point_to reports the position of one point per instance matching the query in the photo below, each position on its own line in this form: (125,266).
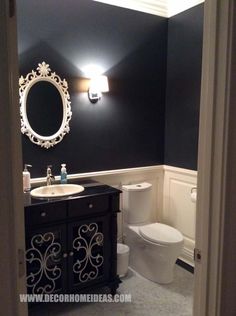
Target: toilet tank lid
(137,186)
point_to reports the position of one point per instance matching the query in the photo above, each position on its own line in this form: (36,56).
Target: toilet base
(145,263)
(153,261)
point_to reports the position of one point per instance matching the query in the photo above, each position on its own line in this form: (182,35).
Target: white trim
(156,7)
(180,170)
(121,171)
(103,173)
(176,7)
(187,256)
(164,8)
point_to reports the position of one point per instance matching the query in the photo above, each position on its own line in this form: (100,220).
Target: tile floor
(148,299)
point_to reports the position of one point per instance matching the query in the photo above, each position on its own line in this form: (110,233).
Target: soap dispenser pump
(26,179)
(63,173)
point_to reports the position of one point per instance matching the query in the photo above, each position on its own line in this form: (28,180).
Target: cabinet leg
(113,290)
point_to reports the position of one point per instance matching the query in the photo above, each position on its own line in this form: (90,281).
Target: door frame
(12,237)
(213,155)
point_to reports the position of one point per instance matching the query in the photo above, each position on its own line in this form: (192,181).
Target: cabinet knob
(43,214)
(90,205)
(71,253)
(65,255)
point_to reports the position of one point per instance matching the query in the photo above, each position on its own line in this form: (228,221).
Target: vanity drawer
(88,206)
(40,214)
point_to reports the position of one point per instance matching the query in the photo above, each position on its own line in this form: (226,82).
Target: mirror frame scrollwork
(44,73)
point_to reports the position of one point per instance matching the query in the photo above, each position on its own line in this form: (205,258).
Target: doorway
(214,157)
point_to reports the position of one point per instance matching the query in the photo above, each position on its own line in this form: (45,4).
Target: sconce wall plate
(98,85)
(94,96)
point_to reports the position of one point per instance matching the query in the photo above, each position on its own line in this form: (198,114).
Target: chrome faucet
(50,177)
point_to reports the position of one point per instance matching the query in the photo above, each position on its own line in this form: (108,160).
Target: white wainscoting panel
(178,209)
(171,196)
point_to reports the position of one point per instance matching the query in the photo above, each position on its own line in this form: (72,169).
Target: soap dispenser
(63,173)
(26,179)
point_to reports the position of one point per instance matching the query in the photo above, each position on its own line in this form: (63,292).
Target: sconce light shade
(103,81)
(97,85)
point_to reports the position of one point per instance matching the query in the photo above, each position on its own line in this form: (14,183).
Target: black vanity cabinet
(71,244)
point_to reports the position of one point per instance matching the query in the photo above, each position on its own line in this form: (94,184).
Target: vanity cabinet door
(89,252)
(46,260)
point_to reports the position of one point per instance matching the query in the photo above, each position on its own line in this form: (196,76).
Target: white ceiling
(165,8)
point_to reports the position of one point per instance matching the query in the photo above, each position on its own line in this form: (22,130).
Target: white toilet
(154,247)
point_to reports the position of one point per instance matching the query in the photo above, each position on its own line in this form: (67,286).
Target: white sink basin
(56,190)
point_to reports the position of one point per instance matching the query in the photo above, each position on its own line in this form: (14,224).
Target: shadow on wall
(30,58)
(84,31)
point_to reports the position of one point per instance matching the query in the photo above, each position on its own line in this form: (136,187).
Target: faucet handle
(49,171)
(50,176)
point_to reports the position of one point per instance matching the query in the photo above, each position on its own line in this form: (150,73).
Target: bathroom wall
(126,127)
(185,33)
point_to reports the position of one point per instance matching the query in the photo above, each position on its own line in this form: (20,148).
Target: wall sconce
(97,85)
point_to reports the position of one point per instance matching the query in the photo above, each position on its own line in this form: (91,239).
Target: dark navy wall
(125,128)
(184,61)
(146,118)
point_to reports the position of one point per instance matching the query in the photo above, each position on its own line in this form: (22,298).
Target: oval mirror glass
(44,108)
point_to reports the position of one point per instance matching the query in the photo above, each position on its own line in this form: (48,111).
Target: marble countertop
(91,188)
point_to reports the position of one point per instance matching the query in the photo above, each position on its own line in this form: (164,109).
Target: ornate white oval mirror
(44,106)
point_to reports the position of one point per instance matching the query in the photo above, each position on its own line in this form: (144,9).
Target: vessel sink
(56,190)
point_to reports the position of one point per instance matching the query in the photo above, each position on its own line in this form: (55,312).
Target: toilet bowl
(154,247)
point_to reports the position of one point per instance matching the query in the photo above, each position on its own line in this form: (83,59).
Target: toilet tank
(137,203)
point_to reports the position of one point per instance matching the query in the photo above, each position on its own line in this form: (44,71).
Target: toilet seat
(161,234)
